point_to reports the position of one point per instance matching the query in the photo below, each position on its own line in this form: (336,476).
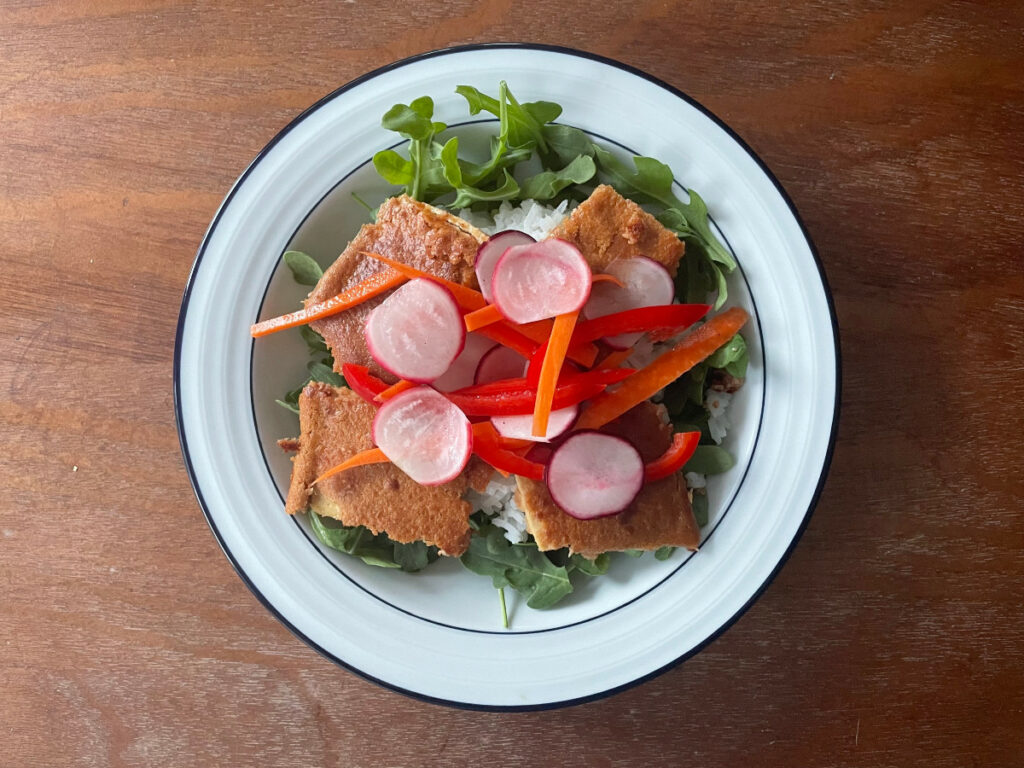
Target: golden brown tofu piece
(660,515)
(606,226)
(408,231)
(335,424)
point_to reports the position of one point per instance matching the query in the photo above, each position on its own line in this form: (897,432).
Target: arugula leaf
(320,372)
(356,541)
(313,340)
(525,569)
(596,567)
(567,143)
(378,550)
(700,507)
(370,209)
(394,168)
(546,184)
(414,556)
(634,552)
(421,173)
(467,195)
(709,460)
(664,553)
(524,121)
(732,356)
(304,268)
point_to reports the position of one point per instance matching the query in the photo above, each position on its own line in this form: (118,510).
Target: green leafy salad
(532,157)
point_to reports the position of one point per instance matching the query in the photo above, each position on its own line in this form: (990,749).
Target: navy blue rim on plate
(397,65)
(320,550)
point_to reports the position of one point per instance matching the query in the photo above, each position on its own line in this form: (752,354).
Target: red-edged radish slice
(540,280)
(424,435)
(417,332)
(521,427)
(490,251)
(645,284)
(500,363)
(594,475)
(462,373)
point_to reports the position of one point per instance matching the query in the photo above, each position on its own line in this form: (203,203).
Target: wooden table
(891,638)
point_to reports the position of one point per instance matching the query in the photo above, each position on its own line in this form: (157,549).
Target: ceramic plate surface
(437,634)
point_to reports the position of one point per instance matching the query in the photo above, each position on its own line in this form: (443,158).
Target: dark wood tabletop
(893,635)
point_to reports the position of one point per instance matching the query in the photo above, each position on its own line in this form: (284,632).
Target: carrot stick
(481,317)
(372,286)
(693,348)
(606,279)
(399,386)
(467,298)
(540,331)
(614,359)
(370,456)
(558,345)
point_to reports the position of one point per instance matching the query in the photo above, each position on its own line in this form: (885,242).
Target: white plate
(436,635)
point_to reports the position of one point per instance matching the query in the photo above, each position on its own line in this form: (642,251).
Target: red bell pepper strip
(520,402)
(487,445)
(670,462)
(667,317)
(363,383)
(603,378)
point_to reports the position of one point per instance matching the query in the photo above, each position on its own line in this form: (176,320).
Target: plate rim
(186,296)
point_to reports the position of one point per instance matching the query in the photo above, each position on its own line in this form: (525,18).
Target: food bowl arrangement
(575,621)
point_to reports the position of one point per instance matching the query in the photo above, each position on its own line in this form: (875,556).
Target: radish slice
(594,475)
(462,372)
(424,435)
(489,252)
(417,332)
(500,363)
(540,280)
(646,284)
(521,427)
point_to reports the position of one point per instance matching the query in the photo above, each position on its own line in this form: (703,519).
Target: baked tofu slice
(660,515)
(606,226)
(335,424)
(408,231)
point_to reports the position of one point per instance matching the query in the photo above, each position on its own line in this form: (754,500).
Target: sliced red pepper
(363,383)
(674,459)
(520,402)
(666,318)
(537,362)
(487,445)
(603,377)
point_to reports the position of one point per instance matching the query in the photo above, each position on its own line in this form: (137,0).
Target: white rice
(529,216)
(718,419)
(498,501)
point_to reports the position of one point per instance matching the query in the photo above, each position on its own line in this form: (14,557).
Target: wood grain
(892,636)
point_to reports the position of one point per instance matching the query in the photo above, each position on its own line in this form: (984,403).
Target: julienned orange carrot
(369,456)
(399,386)
(482,317)
(540,332)
(467,298)
(614,359)
(642,385)
(558,345)
(372,286)
(607,279)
